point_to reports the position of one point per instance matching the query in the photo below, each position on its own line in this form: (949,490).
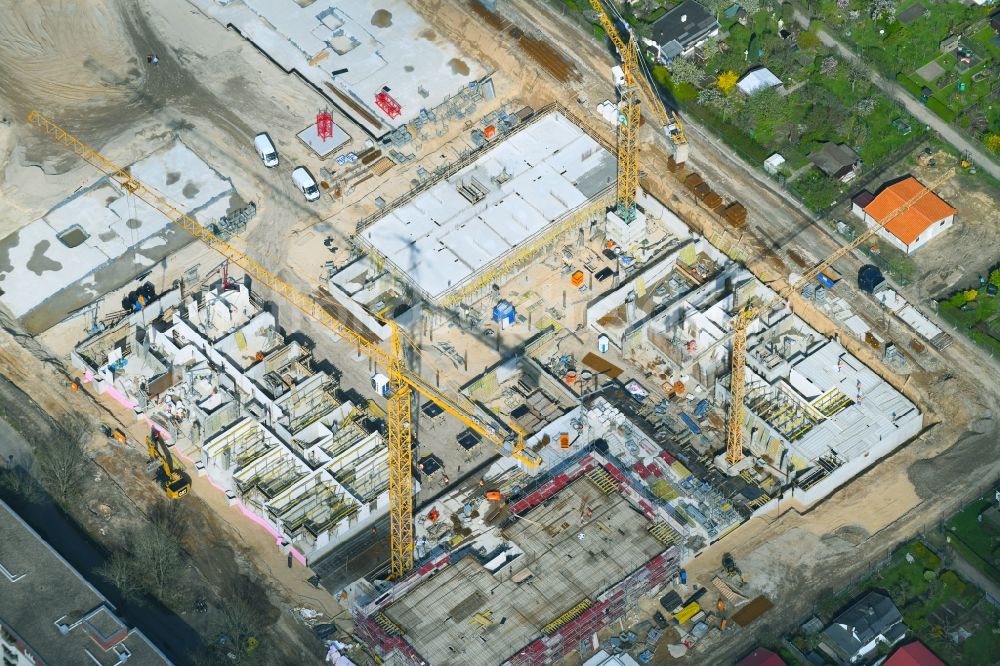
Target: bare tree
(16,476)
(751,7)
(170,517)
(829,65)
(122,572)
(157,555)
(61,462)
(242,617)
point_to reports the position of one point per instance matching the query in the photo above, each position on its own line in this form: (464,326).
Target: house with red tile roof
(761,657)
(913,654)
(915,225)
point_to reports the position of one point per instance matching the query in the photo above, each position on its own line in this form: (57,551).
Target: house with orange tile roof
(928,217)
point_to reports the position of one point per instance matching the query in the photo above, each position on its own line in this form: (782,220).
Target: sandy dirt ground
(215,92)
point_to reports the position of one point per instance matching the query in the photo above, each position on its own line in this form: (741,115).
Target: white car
(305,182)
(265,148)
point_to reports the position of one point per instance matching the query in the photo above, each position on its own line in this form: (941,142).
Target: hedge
(911,86)
(938,107)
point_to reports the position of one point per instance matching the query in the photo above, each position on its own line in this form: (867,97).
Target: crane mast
(741,322)
(402,381)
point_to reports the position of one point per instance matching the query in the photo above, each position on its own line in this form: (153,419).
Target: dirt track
(793,557)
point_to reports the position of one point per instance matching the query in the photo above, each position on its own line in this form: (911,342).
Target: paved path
(970,573)
(981,159)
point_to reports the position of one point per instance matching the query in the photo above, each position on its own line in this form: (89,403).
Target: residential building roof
(761,657)
(833,158)
(863,198)
(913,654)
(908,225)
(757,79)
(53,611)
(869,617)
(685,24)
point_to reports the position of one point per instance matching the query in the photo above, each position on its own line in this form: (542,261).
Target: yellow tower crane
(629,116)
(741,323)
(402,381)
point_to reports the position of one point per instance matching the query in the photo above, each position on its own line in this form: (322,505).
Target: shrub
(910,85)
(925,556)
(951,580)
(808,41)
(939,108)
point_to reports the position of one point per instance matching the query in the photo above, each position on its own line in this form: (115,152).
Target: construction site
(520,371)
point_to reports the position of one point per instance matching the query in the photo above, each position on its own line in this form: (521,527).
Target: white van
(305,182)
(268,153)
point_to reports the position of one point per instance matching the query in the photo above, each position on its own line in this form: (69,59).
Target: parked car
(305,182)
(265,148)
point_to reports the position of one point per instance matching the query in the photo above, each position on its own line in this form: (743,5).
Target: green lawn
(980,538)
(921,590)
(893,46)
(979,320)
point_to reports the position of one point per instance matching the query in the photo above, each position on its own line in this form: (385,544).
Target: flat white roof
(440,239)
(357,47)
(39,265)
(857,429)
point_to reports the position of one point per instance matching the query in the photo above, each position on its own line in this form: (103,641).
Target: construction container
(712,200)
(493,495)
(702,409)
(504,314)
(825,281)
(690,423)
(490,132)
(380,383)
(692,181)
(702,191)
(577,279)
(687,612)
(736,214)
(564,440)
(603,343)
(673,166)
(678,388)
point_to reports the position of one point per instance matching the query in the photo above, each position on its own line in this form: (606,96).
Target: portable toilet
(603,343)
(380,383)
(504,314)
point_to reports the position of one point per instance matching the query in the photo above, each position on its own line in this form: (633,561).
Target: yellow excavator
(176,482)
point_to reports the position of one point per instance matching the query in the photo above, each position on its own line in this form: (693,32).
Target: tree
(242,618)
(865,106)
(61,463)
(716,6)
(995,278)
(727,81)
(766,105)
(808,41)
(122,572)
(710,97)
(881,9)
(957,300)
(683,70)
(158,556)
(970,294)
(710,48)
(730,104)
(993,142)
(856,73)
